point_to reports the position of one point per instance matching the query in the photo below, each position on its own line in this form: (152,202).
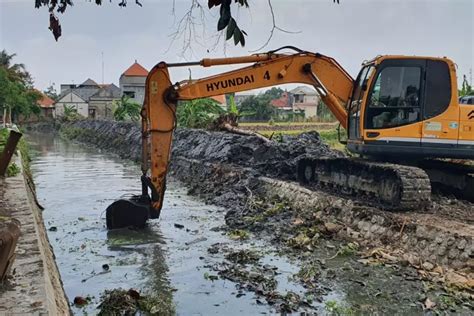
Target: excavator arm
(332,82)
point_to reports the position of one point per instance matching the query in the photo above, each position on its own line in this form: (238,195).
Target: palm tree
(16,72)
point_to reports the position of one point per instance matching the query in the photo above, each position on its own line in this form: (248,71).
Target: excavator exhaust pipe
(133,212)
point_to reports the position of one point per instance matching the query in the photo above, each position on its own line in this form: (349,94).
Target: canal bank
(306,230)
(34,285)
(442,235)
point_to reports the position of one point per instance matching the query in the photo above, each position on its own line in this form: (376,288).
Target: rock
(332,228)
(428,266)
(80,301)
(462,244)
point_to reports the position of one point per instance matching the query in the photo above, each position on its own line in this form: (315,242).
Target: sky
(351,32)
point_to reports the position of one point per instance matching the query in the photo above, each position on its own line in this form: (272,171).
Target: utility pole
(103,68)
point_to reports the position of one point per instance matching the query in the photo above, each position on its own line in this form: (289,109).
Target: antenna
(103,68)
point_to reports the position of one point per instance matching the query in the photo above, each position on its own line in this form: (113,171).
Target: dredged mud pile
(272,159)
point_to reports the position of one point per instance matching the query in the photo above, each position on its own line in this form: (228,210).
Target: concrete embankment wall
(35,285)
(419,239)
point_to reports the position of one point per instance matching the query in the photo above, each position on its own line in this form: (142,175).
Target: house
(283,103)
(300,99)
(101,104)
(132,82)
(71,99)
(47,106)
(76,97)
(89,99)
(305,99)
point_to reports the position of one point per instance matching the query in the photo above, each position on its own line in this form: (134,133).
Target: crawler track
(389,186)
(451,178)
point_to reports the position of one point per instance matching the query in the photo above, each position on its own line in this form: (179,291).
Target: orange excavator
(401,115)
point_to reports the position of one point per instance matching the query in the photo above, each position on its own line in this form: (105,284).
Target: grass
(329,136)
(250,124)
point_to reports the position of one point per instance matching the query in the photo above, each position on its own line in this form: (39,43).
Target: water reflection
(75,184)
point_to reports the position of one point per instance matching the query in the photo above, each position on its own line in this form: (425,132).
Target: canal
(170,258)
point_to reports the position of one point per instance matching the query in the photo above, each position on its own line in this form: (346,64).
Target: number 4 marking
(266,75)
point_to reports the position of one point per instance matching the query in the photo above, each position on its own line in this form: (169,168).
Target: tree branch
(274,27)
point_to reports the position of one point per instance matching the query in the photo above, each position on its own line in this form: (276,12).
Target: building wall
(104,109)
(311,99)
(309,110)
(133,84)
(74,101)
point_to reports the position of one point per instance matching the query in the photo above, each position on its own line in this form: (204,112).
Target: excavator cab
(408,107)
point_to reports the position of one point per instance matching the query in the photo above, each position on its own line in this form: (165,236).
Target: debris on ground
(131,302)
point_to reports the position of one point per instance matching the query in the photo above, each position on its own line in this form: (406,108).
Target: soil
(276,159)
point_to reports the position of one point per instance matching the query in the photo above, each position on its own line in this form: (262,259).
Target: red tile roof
(219,98)
(282,102)
(45,101)
(279,103)
(136,70)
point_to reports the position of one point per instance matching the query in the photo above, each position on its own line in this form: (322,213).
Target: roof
(89,82)
(282,101)
(45,101)
(303,90)
(107,91)
(219,98)
(135,70)
(70,92)
(279,103)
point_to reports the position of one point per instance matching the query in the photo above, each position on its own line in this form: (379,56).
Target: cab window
(395,98)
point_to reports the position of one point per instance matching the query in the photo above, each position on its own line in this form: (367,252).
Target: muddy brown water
(75,184)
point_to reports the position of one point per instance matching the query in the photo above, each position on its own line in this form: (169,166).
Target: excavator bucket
(128,212)
(133,212)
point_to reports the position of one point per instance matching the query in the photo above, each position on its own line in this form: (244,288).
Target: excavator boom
(332,82)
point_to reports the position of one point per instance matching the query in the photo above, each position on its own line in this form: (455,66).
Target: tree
(259,105)
(274,93)
(466,88)
(16,72)
(51,92)
(226,19)
(16,96)
(127,109)
(199,113)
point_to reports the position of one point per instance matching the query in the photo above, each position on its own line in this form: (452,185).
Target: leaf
(237,35)
(225,16)
(230,29)
(212,3)
(55,26)
(242,40)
